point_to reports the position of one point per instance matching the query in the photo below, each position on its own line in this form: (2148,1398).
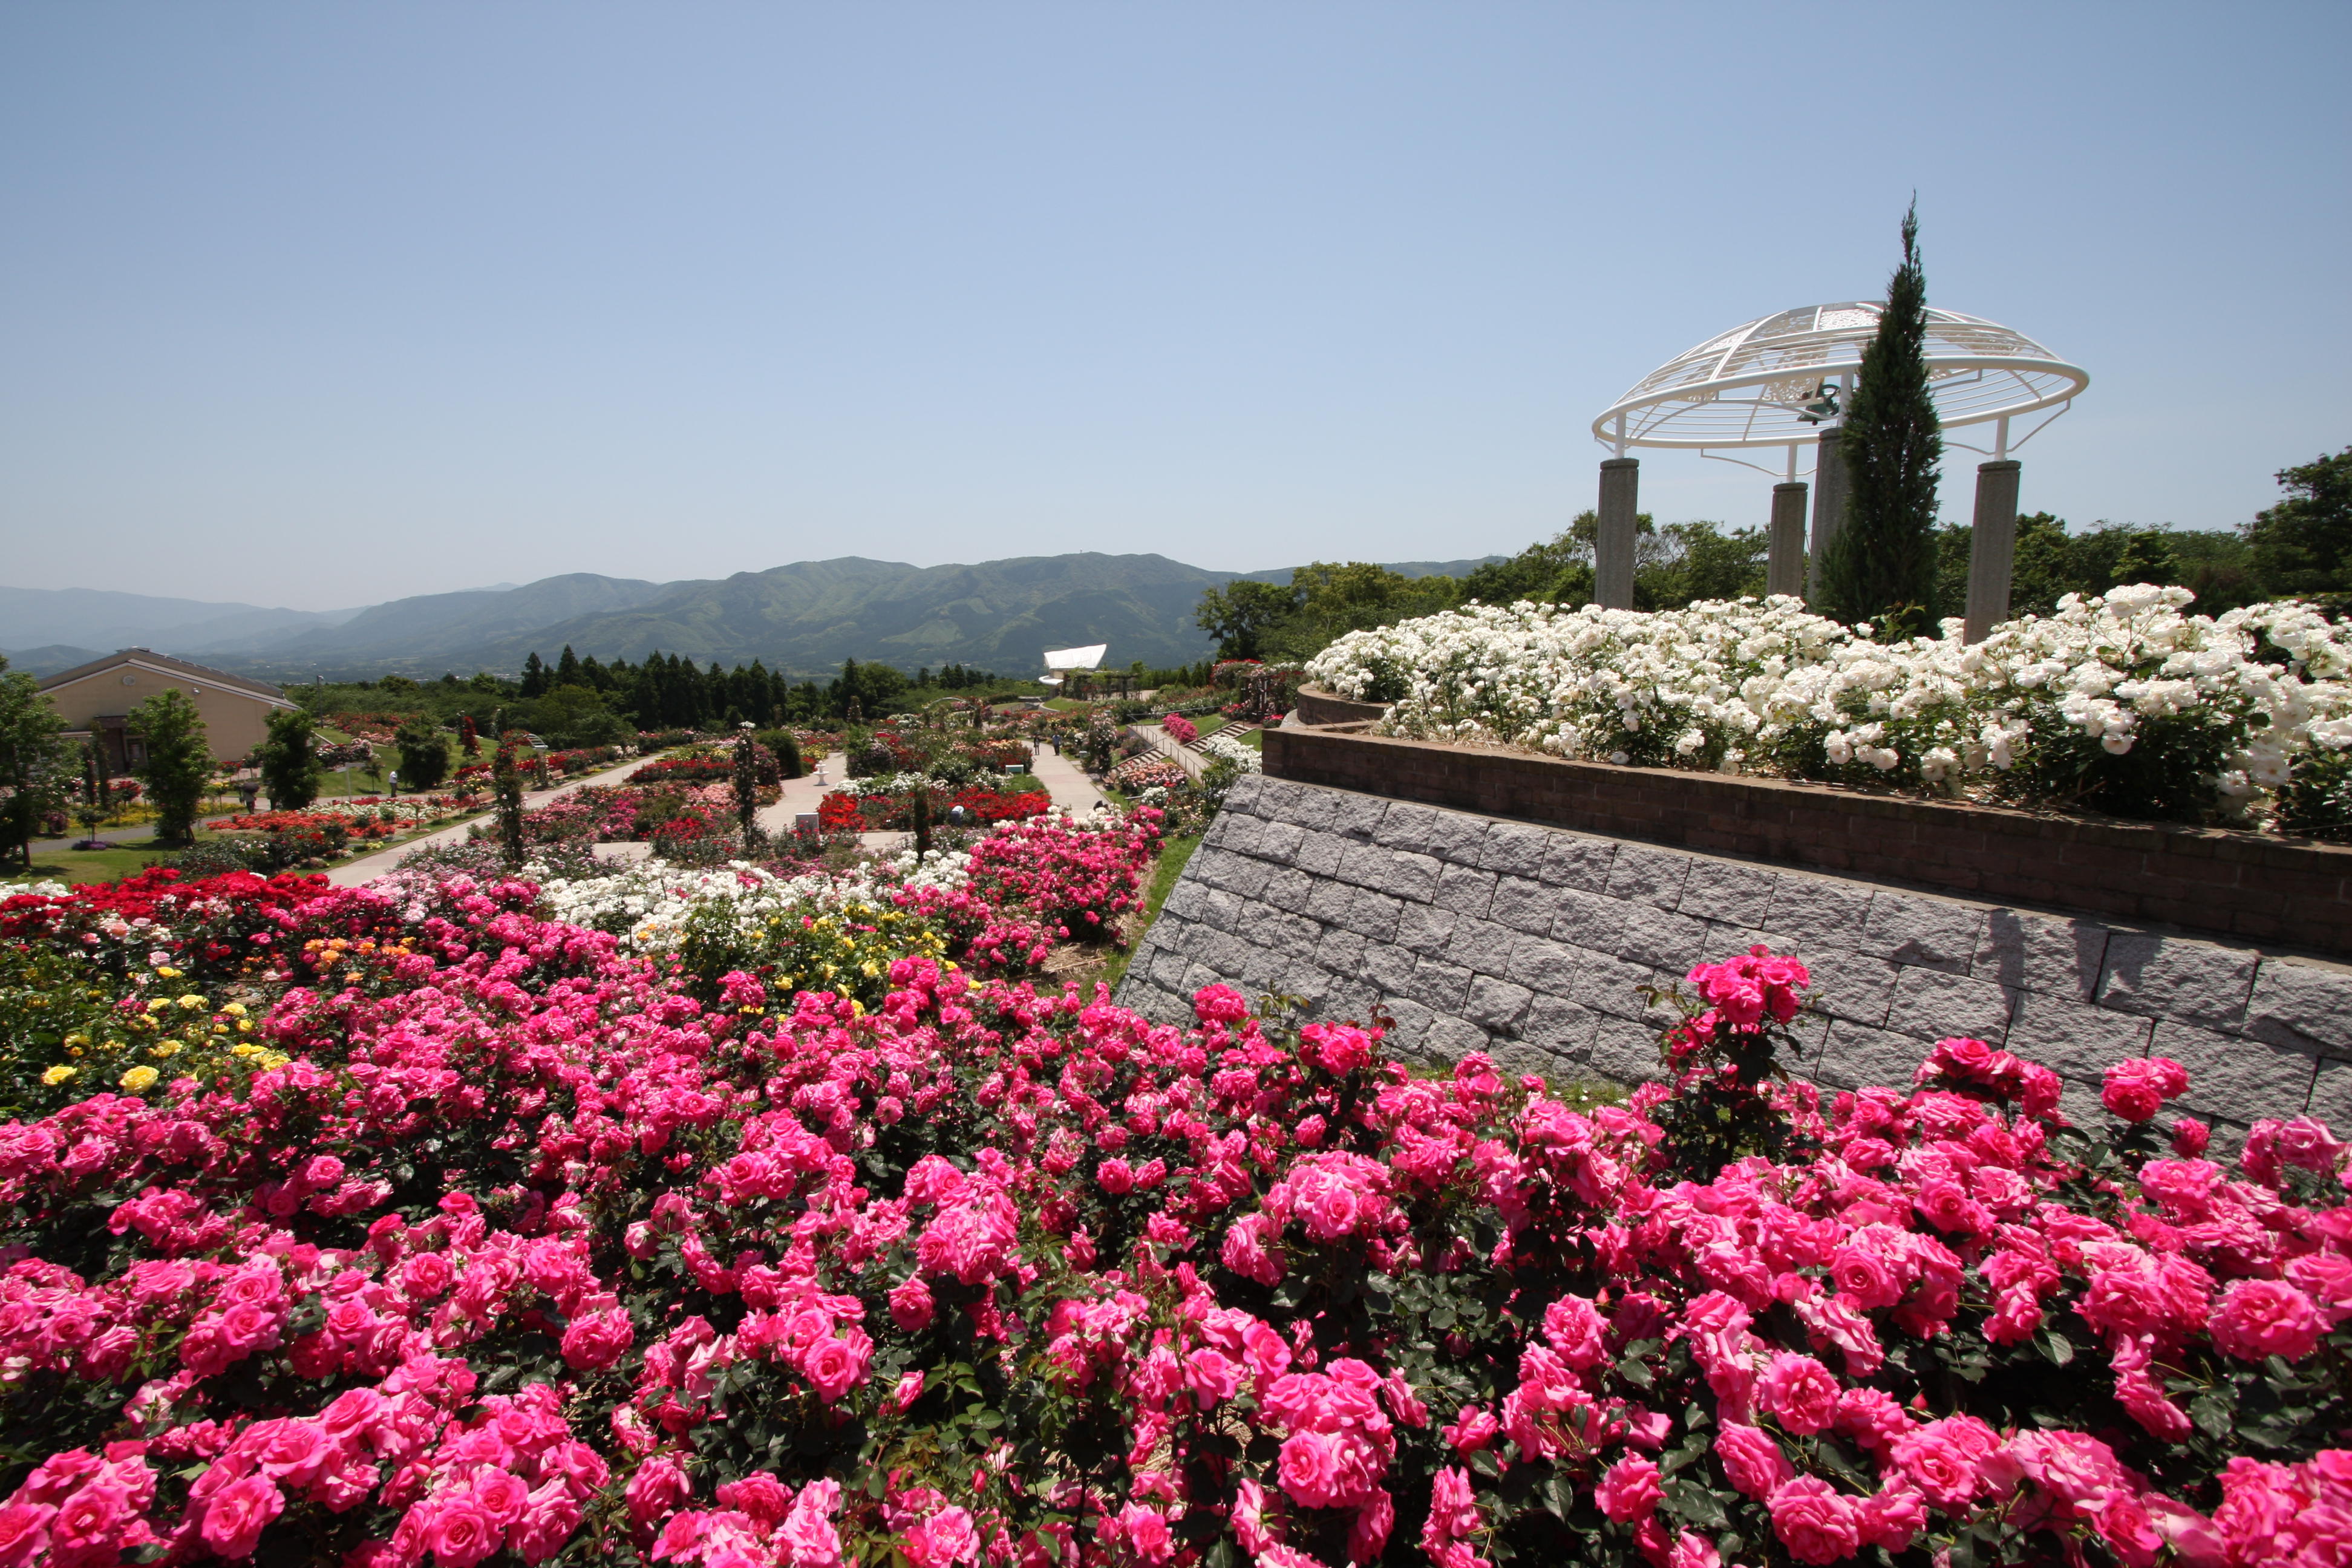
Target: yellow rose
(140,1080)
(190,1002)
(57,1075)
(169,973)
(235,1009)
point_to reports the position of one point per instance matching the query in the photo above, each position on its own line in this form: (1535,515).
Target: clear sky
(320,305)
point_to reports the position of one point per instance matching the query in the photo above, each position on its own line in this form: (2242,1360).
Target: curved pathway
(368,867)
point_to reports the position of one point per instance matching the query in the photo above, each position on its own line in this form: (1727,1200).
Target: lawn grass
(1173,856)
(133,848)
(1254,740)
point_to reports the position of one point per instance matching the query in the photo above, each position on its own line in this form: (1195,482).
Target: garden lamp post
(1782,381)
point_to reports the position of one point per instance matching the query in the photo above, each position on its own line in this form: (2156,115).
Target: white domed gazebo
(1782,381)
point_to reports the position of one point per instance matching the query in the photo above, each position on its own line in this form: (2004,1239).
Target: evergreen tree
(534,677)
(1882,564)
(567,669)
(179,760)
(424,754)
(506,786)
(290,761)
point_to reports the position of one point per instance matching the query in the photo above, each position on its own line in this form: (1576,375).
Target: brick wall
(1530,941)
(2239,885)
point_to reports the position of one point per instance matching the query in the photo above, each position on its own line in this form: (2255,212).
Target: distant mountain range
(805,619)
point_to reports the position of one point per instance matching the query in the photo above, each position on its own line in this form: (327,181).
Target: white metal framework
(1760,385)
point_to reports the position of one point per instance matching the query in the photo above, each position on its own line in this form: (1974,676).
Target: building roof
(164,664)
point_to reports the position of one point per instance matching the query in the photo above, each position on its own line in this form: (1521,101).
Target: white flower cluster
(1226,749)
(1767,685)
(648,905)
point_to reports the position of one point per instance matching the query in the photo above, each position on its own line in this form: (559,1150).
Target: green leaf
(1559,1496)
(1688,1500)
(2212,1411)
(1631,1370)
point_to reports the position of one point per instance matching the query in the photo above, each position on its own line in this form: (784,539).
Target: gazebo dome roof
(1747,387)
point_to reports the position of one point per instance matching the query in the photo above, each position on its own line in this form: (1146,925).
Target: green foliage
(290,761)
(569,717)
(1337,598)
(787,749)
(1240,614)
(506,786)
(2303,544)
(1676,565)
(36,765)
(179,760)
(1881,563)
(424,754)
(2051,562)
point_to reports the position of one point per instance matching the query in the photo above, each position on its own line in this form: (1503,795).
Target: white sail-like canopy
(1076,658)
(1750,386)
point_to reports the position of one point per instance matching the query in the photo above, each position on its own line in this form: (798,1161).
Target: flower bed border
(2243,885)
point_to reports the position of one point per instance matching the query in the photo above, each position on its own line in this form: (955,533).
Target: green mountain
(804,619)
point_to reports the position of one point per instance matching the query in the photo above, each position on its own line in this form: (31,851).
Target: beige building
(96,699)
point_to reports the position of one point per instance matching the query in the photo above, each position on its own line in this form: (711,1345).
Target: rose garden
(636,1113)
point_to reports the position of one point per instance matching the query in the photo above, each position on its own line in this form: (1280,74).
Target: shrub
(2124,703)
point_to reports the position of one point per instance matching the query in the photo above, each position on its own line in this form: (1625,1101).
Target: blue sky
(322,305)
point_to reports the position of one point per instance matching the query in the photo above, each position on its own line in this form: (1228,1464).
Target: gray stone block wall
(1531,944)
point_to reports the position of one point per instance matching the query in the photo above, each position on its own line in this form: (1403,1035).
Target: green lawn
(1173,856)
(135,846)
(1254,740)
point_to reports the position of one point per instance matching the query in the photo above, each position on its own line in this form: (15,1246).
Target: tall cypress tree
(1882,562)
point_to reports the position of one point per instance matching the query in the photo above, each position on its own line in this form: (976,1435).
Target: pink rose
(1802,1392)
(1115,1176)
(1246,1252)
(1213,1376)
(461,1533)
(1576,1330)
(911,1306)
(598,1340)
(1813,1522)
(1751,1459)
(1892,1517)
(2258,1318)
(1629,1490)
(836,1365)
(1938,1466)
(808,1535)
(238,1513)
(947,1537)
(1310,1469)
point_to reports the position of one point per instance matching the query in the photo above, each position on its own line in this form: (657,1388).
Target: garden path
(1065,781)
(369,868)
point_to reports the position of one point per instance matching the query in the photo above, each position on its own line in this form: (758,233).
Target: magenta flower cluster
(532,1246)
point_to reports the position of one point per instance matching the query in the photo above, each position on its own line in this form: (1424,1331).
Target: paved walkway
(369,868)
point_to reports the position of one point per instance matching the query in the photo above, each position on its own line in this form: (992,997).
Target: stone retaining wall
(2240,885)
(1530,943)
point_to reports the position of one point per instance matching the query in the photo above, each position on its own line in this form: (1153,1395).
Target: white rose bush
(2126,703)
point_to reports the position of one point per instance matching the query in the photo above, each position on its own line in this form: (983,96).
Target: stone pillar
(1613,547)
(1992,547)
(1784,571)
(1828,506)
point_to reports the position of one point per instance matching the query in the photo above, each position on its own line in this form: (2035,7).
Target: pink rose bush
(534,1248)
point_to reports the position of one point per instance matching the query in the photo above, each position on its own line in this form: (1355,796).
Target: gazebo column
(1613,543)
(1992,544)
(1784,570)
(1829,505)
